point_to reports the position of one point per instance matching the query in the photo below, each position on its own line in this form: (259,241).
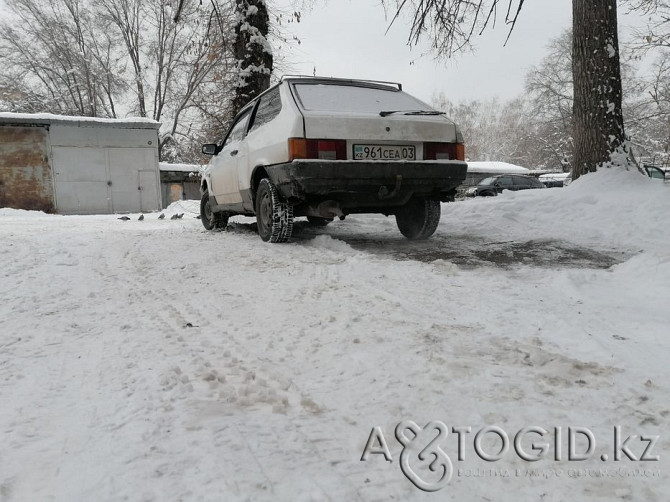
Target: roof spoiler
(343,80)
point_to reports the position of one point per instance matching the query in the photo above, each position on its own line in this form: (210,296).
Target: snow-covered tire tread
(280,226)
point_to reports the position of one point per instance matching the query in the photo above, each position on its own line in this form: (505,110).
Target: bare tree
(597,110)
(550,92)
(57,57)
(493,130)
(81,57)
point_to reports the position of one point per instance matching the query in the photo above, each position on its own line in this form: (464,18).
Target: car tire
(418,219)
(274,216)
(211,220)
(317,221)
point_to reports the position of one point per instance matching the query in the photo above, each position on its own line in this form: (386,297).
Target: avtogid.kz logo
(425,463)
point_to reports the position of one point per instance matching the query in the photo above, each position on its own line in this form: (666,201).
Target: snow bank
(22,213)
(611,208)
(328,243)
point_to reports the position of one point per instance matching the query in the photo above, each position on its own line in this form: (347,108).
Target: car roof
(375,84)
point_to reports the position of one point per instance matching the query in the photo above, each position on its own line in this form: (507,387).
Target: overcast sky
(346,38)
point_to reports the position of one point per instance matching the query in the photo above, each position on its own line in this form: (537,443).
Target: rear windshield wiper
(386,113)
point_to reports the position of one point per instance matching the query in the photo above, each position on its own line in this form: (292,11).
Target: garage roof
(8,118)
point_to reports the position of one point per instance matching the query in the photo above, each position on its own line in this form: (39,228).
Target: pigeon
(161,216)
(124,218)
(141,217)
(174,216)
(180,216)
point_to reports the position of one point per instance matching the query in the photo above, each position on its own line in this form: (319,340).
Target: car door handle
(234,152)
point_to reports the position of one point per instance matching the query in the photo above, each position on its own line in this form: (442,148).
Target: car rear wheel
(418,219)
(274,217)
(211,220)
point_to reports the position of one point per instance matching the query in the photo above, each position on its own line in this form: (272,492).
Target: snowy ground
(152,360)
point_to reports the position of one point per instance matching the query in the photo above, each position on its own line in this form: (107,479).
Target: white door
(123,167)
(149,191)
(225,165)
(81,181)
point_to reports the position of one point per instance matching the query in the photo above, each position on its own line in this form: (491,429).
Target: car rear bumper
(357,185)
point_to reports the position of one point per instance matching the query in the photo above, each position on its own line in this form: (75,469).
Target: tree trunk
(598,129)
(252,52)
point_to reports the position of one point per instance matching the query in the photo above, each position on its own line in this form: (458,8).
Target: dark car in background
(494,185)
(655,172)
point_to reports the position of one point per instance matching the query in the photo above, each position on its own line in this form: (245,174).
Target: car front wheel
(274,217)
(211,220)
(418,219)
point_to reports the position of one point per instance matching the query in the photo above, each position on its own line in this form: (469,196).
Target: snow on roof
(496,167)
(183,168)
(49,119)
(555,176)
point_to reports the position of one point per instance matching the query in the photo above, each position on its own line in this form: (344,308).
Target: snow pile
(326,242)
(185,168)
(609,209)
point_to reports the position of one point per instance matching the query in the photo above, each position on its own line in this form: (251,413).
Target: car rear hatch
(375,122)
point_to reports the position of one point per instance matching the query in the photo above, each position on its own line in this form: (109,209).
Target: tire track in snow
(212,385)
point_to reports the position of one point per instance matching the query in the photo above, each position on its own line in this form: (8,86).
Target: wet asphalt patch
(462,250)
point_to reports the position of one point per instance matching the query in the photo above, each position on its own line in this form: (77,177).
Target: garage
(75,165)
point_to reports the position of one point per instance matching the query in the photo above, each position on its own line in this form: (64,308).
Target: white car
(325,148)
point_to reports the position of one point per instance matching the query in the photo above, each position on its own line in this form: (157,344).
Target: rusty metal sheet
(25,175)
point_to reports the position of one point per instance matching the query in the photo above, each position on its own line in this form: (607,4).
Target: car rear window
(352,98)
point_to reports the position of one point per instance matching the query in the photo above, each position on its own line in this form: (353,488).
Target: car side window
(268,108)
(505,181)
(239,129)
(523,182)
(654,172)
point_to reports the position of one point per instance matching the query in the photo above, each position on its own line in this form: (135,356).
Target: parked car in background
(655,172)
(327,147)
(553,180)
(494,185)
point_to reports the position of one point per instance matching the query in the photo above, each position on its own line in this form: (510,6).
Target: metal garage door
(103,180)
(133,181)
(81,180)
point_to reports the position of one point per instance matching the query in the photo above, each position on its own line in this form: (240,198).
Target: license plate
(384,152)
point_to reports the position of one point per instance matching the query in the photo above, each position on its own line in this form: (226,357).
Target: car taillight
(325,149)
(443,151)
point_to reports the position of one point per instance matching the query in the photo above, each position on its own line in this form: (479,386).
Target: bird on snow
(161,216)
(141,217)
(174,216)
(180,216)
(124,218)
